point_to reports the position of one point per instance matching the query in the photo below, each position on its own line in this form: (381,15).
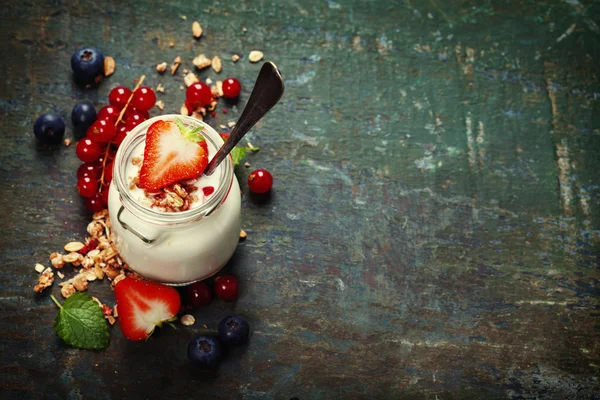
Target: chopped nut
(160,88)
(243,234)
(235,58)
(212,105)
(247,164)
(196,29)
(68,142)
(118,278)
(56,259)
(202,61)
(222,126)
(162,67)
(67,290)
(190,79)
(208,81)
(93,253)
(60,275)
(115,312)
(87,262)
(183,110)
(111,319)
(255,56)
(100,214)
(188,320)
(46,279)
(95,229)
(109,66)
(198,116)
(205,326)
(216,64)
(185,71)
(160,105)
(39,268)
(172,43)
(111,272)
(74,246)
(73,258)
(80,283)
(231,124)
(175,65)
(220,88)
(89,275)
(98,271)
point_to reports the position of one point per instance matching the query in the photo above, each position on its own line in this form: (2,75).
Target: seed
(255,56)
(39,268)
(216,64)
(74,246)
(109,66)
(196,29)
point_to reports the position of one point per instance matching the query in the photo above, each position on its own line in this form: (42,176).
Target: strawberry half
(144,305)
(173,153)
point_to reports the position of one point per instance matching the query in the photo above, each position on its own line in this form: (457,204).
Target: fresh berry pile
(105,131)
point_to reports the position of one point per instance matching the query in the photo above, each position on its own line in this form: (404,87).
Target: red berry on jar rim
(95,203)
(144,98)
(260,181)
(226,287)
(119,96)
(231,88)
(101,131)
(88,150)
(198,95)
(199,294)
(87,186)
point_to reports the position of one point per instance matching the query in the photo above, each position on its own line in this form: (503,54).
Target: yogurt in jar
(174,247)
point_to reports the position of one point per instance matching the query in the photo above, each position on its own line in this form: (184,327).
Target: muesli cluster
(96,258)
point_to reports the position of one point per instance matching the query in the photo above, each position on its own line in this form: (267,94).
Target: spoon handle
(267,91)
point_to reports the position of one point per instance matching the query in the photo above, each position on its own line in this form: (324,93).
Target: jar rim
(123,156)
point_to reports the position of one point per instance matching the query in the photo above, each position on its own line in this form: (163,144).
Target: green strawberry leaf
(238,153)
(190,134)
(80,322)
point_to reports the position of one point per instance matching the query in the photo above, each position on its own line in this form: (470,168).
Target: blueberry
(205,351)
(82,116)
(234,330)
(87,63)
(49,128)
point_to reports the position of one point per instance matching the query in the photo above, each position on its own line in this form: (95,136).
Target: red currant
(87,186)
(231,88)
(199,294)
(88,150)
(227,287)
(121,134)
(143,98)
(109,113)
(119,96)
(95,203)
(198,95)
(101,131)
(134,118)
(108,173)
(260,181)
(90,169)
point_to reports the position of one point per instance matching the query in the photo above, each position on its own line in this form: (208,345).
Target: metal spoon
(267,91)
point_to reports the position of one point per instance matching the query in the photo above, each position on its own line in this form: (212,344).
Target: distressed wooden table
(434,227)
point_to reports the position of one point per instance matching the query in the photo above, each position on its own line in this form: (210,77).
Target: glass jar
(175,247)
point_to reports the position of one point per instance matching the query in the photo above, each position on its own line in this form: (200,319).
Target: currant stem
(140,81)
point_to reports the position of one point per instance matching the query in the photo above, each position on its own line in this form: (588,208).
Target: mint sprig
(192,135)
(80,322)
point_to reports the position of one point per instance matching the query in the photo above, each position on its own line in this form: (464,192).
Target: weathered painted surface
(434,229)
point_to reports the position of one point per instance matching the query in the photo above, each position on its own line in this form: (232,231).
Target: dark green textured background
(435,223)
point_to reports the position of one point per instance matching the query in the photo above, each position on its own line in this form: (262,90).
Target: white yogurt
(174,247)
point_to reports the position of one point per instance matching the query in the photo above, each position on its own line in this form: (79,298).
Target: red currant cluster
(98,148)
(199,95)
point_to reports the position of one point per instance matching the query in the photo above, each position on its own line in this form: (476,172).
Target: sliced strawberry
(173,153)
(144,305)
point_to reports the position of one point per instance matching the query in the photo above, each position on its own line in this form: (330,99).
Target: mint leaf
(80,322)
(238,153)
